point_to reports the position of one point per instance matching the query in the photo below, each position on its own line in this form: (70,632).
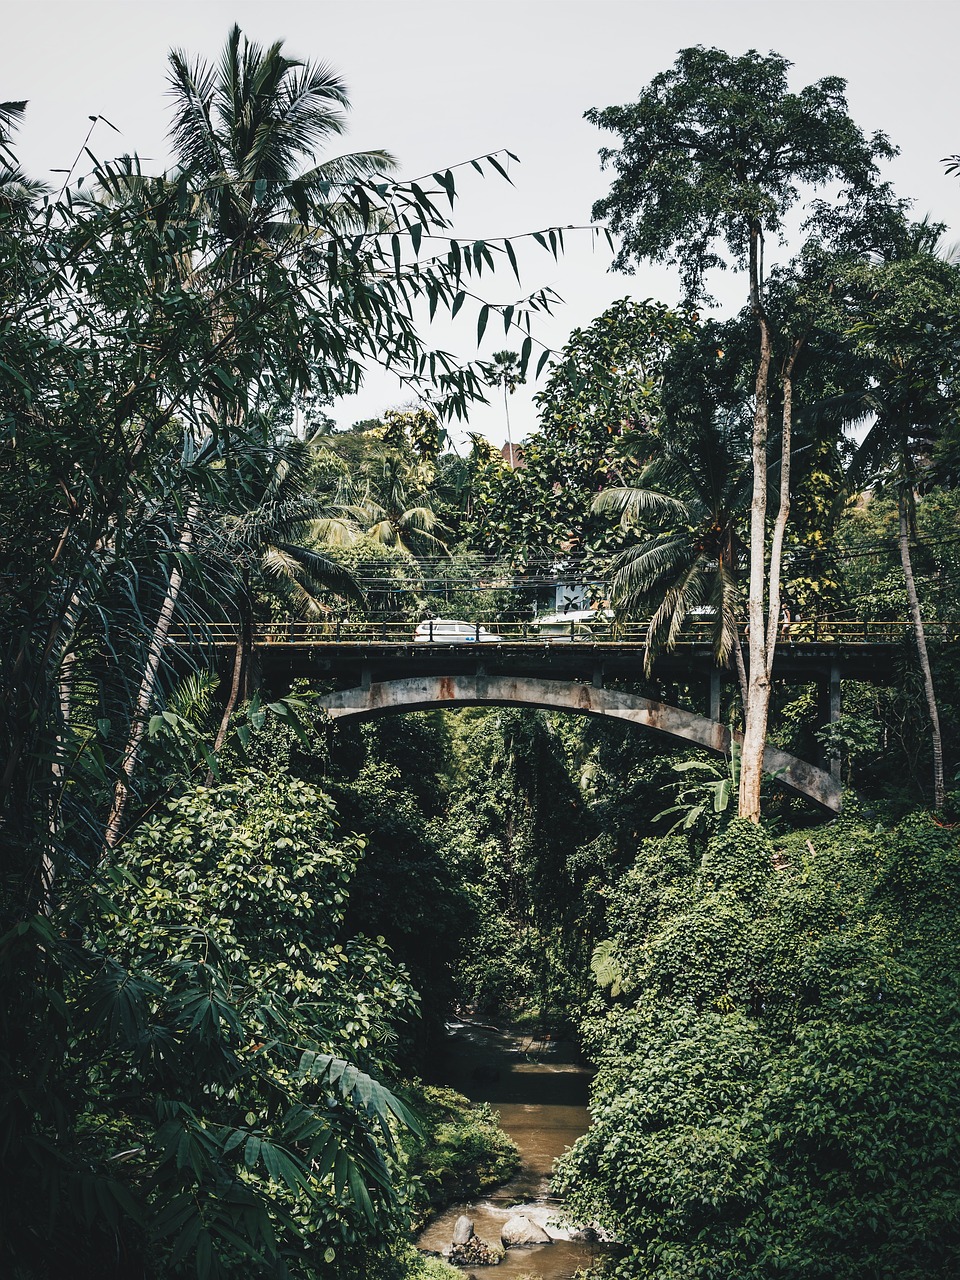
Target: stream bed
(540,1090)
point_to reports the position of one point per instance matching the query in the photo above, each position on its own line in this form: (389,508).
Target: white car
(453,631)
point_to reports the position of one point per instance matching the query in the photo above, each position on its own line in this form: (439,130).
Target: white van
(453,631)
(575,624)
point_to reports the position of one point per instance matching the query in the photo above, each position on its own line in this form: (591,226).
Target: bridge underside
(430,692)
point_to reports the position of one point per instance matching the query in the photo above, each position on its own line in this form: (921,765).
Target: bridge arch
(430,692)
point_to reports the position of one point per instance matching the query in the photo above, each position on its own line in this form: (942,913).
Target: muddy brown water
(540,1090)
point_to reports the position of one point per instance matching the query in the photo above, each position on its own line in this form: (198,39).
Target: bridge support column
(829,706)
(714,711)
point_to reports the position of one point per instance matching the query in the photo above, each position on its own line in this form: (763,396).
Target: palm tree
(504,371)
(696,490)
(242,130)
(386,506)
(17,191)
(905,303)
(267,545)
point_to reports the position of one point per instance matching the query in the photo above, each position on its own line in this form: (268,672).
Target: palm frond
(422,519)
(11,113)
(686,592)
(631,503)
(336,531)
(637,571)
(725,601)
(323,572)
(192,133)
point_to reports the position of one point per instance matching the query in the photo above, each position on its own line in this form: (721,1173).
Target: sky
(437,82)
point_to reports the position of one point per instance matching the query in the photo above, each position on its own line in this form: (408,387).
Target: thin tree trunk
(233,697)
(241,663)
(148,684)
(506,410)
(783,509)
(758,682)
(939,790)
(48,860)
(65,682)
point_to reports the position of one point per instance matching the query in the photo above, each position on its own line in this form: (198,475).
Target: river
(540,1090)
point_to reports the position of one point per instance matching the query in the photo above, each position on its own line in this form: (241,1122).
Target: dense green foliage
(717,148)
(779,1067)
(895,771)
(201,1108)
(511,833)
(600,403)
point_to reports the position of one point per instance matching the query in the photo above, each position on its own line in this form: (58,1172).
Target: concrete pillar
(714,711)
(829,706)
(834,693)
(835,712)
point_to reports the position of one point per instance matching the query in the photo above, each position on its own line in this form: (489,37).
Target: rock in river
(463,1230)
(475,1253)
(521,1230)
(468,1250)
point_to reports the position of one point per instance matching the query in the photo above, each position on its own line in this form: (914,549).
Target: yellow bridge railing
(698,632)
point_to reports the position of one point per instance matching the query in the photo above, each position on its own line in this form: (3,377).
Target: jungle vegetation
(230,932)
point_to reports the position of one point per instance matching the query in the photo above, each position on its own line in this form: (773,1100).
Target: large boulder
(551,1220)
(544,1217)
(588,1234)
(463,1229)
(521,1230)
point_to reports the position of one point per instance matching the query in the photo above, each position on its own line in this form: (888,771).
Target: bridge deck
(353,660)
(841,632)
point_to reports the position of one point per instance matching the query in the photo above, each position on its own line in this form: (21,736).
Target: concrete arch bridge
(379,669)
(428,692)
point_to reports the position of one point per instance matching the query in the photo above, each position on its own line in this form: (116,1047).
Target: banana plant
(708,793)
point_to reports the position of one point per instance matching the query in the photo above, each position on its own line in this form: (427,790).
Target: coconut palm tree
(504,371)
(245,132)
(385,504)
(689,509)
(268,543)
(16,189)
(242,130)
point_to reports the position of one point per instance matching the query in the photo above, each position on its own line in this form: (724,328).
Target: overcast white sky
(439,81)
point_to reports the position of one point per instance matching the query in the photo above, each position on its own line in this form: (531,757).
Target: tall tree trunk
(241,663)
(758,682)
(741,676)
(148,684)
(506,410)
(64,637)
(48,859)
(783,507)
(939,791)
(233,697)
